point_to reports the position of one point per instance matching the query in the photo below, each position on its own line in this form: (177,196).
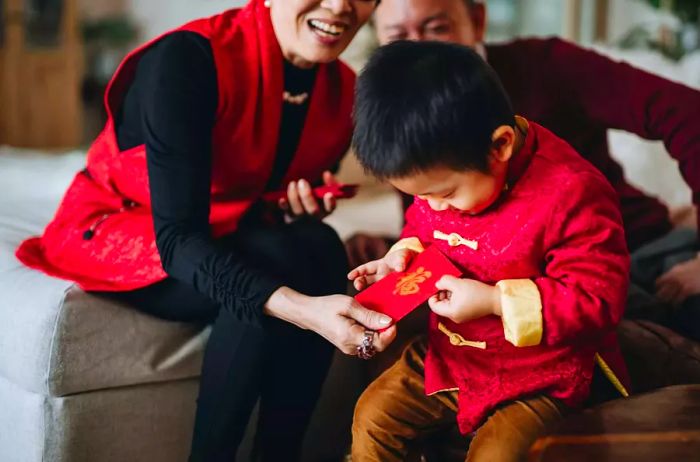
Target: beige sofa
(81,379)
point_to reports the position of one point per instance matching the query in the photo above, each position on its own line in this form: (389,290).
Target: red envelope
(400,293)
(339,191)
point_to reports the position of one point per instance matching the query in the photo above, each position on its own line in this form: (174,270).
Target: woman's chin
(320,50)
(318,55)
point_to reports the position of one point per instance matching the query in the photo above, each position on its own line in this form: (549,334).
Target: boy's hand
(365,275)
(462,300)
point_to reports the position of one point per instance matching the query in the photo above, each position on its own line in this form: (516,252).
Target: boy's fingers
(397,260)
(447,283)
(365,281)
(400,264)
(371,278)
(362,270)
(439,306)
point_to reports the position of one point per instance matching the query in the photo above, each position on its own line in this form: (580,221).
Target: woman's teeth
(327,29)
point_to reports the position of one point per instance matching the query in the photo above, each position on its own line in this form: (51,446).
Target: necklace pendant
(295,99)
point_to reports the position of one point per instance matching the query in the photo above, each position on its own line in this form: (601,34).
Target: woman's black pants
(274,361)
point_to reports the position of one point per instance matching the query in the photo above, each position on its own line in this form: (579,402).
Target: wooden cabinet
(41,67)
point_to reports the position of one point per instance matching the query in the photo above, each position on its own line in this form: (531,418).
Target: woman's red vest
(102,236)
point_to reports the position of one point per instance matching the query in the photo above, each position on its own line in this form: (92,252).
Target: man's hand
(365,275)
(300,199)
(462,300)
(680,282)
(363,248)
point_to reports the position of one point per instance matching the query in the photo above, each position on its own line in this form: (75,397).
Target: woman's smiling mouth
(326,29)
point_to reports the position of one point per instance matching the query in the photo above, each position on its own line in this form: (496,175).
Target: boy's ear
(502,143)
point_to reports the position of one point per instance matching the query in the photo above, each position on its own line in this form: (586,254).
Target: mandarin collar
(521,160)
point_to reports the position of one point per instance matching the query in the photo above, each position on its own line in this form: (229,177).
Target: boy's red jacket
(102,236)
(555,245)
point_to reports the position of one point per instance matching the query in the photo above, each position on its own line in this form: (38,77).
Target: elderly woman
(170,215)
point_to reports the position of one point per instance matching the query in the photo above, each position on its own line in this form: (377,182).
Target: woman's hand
(301,202)
(365,275)
(337,318)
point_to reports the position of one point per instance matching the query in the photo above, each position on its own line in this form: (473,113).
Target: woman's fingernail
(385,321)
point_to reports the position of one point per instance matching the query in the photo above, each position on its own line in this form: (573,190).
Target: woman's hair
(420,105)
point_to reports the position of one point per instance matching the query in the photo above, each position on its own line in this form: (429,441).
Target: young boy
(534,227)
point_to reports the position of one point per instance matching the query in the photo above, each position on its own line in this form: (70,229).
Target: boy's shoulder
(558,170)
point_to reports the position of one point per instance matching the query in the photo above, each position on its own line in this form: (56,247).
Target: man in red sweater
(579,95)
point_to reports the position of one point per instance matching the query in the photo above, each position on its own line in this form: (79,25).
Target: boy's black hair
(420,105)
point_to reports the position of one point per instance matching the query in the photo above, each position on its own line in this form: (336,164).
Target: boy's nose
(437,205)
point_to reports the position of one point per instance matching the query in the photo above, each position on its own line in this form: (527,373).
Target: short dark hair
(420,105)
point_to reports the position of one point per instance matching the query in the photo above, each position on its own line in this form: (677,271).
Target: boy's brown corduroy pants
(394,416)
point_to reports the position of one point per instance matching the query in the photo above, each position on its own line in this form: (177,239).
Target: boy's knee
(509,432)
(498,441)
(370,419)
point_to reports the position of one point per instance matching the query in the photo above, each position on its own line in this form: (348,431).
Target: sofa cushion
(660,425)
(54,338)
(656,356)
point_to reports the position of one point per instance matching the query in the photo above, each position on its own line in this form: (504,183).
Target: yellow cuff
(521,312)
(410,243)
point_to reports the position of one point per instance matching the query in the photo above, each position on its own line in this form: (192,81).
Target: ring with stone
(366,350)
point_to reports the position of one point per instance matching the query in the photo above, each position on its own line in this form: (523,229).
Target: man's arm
(619,96)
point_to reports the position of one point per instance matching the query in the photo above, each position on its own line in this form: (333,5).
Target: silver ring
(366,350)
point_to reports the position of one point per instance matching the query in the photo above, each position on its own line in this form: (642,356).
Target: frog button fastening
(454,240)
